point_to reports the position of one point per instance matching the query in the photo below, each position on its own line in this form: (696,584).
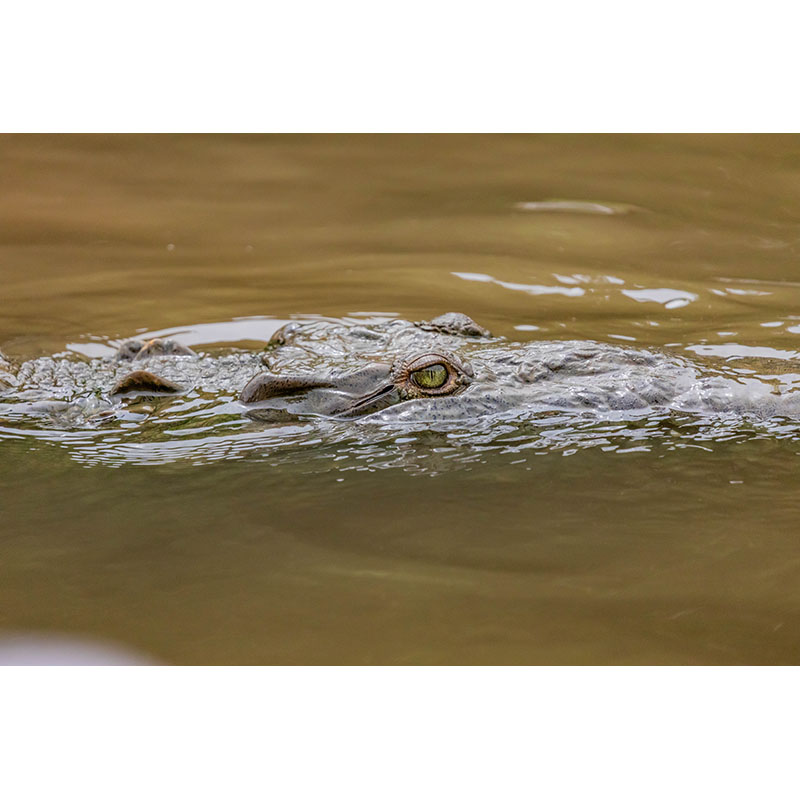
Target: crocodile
(449,368)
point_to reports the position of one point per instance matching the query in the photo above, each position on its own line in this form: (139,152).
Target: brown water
(657,553)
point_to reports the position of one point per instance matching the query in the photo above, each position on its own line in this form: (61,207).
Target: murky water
(195,536)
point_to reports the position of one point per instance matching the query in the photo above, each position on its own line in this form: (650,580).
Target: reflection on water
(573,291)
(22,649)
(576,207)
(197,535)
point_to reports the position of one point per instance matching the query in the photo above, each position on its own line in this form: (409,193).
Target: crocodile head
(354,394)
(447,370)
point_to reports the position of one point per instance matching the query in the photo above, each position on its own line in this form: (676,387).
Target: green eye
(432,377)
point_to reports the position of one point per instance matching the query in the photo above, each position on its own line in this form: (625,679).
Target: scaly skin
(388,371)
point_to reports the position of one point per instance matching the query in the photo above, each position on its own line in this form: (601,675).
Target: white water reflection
(733,351)
(244,329)
(729,290)
(535,289)
(257,329)
(577,207)
(48,649)
(669,298)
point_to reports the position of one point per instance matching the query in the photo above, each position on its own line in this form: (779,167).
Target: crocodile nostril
(266,387)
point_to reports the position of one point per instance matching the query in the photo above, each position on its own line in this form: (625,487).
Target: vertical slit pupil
(432,377)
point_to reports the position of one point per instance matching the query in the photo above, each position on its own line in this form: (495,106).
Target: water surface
(197,538)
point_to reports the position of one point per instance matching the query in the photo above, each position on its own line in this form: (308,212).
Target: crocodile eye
(431,377)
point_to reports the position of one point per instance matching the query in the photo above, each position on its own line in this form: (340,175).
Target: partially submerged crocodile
(449,368)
